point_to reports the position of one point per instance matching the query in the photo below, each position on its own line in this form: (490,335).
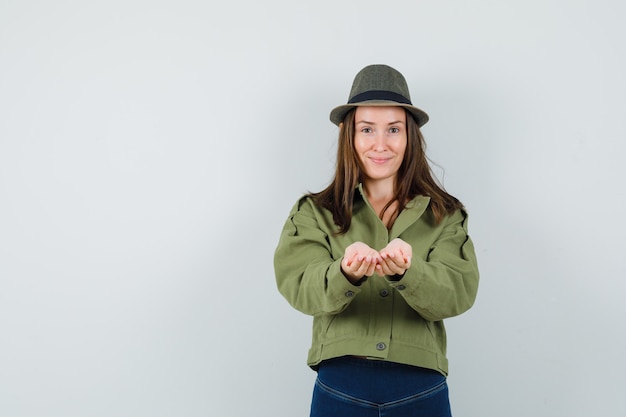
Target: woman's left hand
(396,258)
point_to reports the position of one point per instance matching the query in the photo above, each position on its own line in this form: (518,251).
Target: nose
(380,142)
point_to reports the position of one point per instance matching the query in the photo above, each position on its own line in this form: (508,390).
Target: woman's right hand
(359,260)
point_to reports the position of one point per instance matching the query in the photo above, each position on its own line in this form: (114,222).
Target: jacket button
(384,293)
(381,346)
(349,293)
(400,287)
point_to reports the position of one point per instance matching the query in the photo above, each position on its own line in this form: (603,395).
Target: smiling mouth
(379,160)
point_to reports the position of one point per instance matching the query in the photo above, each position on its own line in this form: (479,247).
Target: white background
(151,150)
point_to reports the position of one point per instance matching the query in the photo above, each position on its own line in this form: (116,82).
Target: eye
(366,130)
(394,130)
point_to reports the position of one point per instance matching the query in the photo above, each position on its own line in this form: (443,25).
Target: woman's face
(380,140)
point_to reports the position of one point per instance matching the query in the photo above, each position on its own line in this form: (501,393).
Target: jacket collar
(413,210)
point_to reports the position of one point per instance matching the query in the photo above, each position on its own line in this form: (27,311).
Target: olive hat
(378,85)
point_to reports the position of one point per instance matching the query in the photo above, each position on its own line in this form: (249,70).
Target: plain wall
(150,152)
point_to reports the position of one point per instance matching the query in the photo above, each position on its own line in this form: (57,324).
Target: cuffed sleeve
(444,282)
(307,275)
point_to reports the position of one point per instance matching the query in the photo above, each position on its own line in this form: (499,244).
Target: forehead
(380,114)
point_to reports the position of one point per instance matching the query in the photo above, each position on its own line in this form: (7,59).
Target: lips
(379,161)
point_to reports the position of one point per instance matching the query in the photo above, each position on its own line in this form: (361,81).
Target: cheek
(361,147)
(359,144)
(400,146)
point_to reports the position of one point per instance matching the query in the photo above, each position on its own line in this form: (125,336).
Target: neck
(379,195)
(379,191)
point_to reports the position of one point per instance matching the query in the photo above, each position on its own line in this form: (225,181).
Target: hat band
(379,95)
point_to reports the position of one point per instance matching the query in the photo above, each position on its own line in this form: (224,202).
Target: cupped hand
(395,258)
(359,260)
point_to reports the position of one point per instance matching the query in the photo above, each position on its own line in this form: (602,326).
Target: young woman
(379,259)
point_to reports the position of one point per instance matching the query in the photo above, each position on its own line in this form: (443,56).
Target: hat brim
(339,113)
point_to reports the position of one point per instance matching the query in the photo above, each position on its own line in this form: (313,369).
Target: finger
(392,268)
(348,260)
(385,268)
(388,256)
(353,265)
(357,268)
(377,258)
(371,268)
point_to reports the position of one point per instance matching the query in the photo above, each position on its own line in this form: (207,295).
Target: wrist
(354,280)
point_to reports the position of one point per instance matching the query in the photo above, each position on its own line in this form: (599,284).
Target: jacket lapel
(411,213)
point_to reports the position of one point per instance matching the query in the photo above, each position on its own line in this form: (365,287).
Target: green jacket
(399,321)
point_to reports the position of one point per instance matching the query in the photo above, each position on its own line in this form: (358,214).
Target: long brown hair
(414,178)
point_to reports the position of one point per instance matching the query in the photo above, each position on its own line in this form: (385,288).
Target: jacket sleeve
(444,284)
(306,273)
